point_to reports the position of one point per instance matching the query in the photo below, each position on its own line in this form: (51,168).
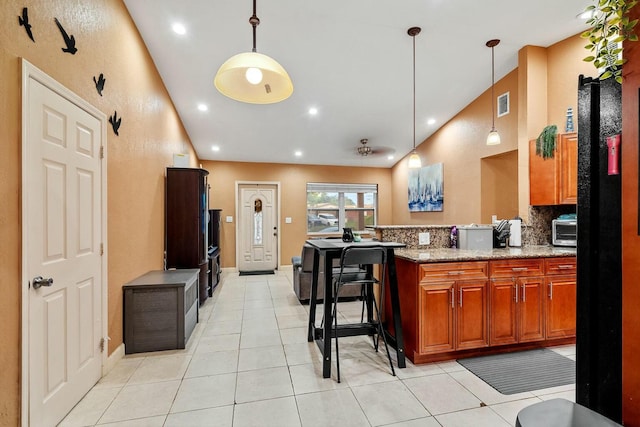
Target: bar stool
(369,256)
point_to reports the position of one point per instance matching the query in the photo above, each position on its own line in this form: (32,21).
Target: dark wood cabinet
(214,248)
(186,223)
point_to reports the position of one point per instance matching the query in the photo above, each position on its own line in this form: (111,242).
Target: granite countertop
(448,254)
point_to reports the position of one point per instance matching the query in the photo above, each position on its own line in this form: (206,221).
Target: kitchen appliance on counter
(564,230)
(475,237)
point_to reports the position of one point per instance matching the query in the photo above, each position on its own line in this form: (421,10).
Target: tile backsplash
(536,232)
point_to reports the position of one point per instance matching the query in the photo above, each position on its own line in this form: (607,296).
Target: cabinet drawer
(453,271)
(565,265)
(517,267)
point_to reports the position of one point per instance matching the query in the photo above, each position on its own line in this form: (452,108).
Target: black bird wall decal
(70,41)
(115,122)
(24,21)
(99,83)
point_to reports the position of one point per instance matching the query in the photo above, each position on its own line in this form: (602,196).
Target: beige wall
(293,180)
(540,90)
(151,132)
(460,144)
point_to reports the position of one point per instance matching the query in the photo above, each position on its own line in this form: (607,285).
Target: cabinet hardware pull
(550,290)
(519,268)
(516,286)
(452,303)
(565,267)
(460,297)
(455,272)
(524,289)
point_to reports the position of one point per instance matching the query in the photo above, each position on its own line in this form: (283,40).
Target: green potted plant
(546,142)
(609,28)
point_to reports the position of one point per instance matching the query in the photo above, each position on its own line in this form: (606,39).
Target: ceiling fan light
(232,79)
(493,138)
(414,161)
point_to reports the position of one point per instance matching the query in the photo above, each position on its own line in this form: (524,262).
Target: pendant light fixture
(414,158)
(494,137)
(253,77)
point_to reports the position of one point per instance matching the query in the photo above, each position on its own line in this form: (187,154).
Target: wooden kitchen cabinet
(517,301)
(561,297)
(452,301)
(463,308)
(554,181)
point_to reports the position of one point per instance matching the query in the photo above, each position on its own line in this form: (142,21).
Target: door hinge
(101,249)
(101,345)
(102,151)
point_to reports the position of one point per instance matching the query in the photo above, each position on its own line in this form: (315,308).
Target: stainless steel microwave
(564,232)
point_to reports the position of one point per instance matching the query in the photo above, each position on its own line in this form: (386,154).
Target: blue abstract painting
(426,189)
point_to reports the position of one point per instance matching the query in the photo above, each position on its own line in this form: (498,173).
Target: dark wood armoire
(186,222)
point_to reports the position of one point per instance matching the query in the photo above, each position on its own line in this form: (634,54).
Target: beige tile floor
(248,363)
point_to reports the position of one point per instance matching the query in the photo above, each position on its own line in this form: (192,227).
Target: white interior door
(257,229)
(62,241)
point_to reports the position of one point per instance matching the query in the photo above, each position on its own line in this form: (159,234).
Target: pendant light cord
(414,92)
(254,21)
(493,113)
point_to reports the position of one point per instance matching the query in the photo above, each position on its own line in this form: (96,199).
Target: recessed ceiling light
(298,154)
(390,157)
(215,148)
(178,28)
(203,107)
(431,122)
(313,111)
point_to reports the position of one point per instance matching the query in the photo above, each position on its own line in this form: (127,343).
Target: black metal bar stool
(347,275)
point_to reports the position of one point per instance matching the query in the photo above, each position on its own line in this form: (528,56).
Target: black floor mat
(256,273)
(521,371)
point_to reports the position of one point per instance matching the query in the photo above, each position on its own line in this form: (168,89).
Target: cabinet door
(542,178)
(561,306)
(436,307)
(502,317)
(471,315)
(568,168)
(530,309)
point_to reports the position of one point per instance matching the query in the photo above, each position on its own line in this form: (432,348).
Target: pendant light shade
(252,77)
(414,158)
(494,137)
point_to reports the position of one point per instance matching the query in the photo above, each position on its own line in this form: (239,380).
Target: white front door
(62,260)
(257,227)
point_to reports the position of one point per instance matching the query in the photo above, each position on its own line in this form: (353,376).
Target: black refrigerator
(599,251)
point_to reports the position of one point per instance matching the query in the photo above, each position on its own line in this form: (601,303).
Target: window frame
(341,190)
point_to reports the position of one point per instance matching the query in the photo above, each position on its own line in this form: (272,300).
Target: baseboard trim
(113,359)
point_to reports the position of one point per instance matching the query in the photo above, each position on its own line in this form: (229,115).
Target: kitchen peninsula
(459,303)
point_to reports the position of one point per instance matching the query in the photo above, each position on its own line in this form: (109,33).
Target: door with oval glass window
(257,228)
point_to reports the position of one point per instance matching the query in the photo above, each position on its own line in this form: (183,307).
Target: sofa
(302,275)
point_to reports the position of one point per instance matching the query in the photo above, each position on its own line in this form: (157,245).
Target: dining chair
(344,275)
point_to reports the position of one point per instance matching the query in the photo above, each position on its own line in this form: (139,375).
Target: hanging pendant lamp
(494,137)
(252,77)
(414,158)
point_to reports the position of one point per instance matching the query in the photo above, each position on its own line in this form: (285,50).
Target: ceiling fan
(365,150)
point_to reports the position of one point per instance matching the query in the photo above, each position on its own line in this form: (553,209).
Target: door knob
(39,282)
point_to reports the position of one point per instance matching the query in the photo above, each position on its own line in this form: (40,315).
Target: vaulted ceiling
(351,60)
